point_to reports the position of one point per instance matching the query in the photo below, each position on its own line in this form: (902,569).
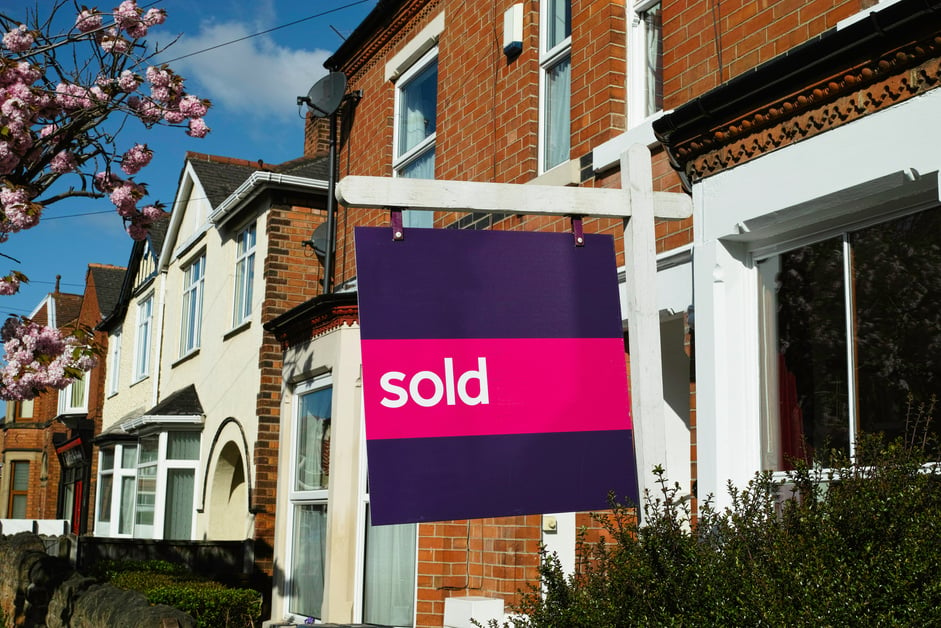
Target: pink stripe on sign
(475,387)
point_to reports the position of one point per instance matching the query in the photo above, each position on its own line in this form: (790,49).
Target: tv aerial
(324,98)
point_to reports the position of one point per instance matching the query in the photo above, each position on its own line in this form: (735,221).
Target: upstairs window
(194,277)
(145,314)
(555,63)
(113,365)
(416,116)
(73,399)
(244,274)
(646,61)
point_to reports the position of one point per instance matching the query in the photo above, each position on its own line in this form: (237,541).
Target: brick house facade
(46,442)
(787,122)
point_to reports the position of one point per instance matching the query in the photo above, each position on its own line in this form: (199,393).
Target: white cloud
(255,77)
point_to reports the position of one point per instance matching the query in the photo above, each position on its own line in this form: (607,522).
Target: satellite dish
(326,95)
(318,241)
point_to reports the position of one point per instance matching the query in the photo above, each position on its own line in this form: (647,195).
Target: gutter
(255,185)
(817,59)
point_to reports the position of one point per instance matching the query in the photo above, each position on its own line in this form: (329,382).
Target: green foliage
(210,603)
(821,548)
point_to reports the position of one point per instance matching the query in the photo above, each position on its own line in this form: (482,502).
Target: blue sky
(253,85)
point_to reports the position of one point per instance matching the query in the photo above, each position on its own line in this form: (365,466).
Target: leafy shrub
(856,544)
(210,603)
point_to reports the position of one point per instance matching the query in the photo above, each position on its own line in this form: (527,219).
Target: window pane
(812,374)
(126,517)
(388,589)
(653,33)
(183,445)
(146,495)
(307,559)
(129,457)
(18,507)
(422,167)
(313,440)
(104,498)
(559,22)
(20,476)
(244,274)
(897,290)
(77,396)
(418,108)
(558,129)
(144,312)
(148,449)
(107,459)
(178,519)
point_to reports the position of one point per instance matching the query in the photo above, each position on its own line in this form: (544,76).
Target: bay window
(851,337)
(147,488)
(310,467)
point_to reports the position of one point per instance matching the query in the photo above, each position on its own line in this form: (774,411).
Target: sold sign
(494,374)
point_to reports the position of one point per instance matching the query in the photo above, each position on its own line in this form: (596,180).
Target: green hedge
(210,603)
(854,547)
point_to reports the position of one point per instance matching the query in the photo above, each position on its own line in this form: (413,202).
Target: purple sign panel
(493,374)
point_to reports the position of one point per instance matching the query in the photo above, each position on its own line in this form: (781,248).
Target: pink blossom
(154,17)
(173,116)
(64,161)
(128,81)
(10,284)
(18,40)
(113,43)
(153,213)
(19,212)
(107,181)
(158,77)
(136,158)
(193,107)
(127,14)
(39,357)
(88,20)
(136,231)
(125,197)
(197,128)
(48,130)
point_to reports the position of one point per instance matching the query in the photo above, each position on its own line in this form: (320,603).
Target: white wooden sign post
(635,202)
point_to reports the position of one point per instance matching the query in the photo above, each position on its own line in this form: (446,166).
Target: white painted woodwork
(643,317)
(472,196)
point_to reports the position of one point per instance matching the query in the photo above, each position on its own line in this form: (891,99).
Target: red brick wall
(496,557)
(706,44)
(292,276)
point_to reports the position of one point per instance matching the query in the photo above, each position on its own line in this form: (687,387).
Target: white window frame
(191,312)
(317,497)
(65,396)
(362,518)
(638,58)
(144,337)
(113,365)
(245,244)
(401,161)
(550,57)
(118,473)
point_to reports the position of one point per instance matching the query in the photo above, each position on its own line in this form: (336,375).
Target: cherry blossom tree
(67,99)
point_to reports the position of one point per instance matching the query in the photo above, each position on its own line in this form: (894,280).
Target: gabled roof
(108,281)
(68,307)
(219,176)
